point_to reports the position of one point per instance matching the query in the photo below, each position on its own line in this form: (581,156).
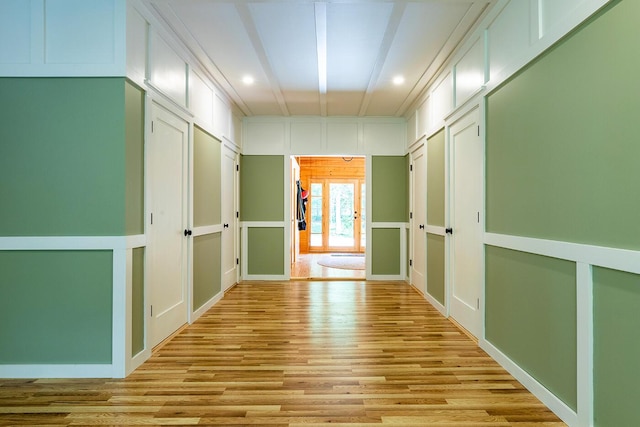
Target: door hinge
(478,303)
(478,217)
(237,261)
(151,218)
(152,127)
(410,215)
(410,262)
(478,130)
(237,168)
(237,214)
(411,168)
(151,311)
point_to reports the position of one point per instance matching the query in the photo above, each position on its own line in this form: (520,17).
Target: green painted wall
(562,139)
(389,191)
(435,266)
(134,159)
(207,179)
(55,307)
(62,157)
(262,188)
(265,247)
(137,302)
(407,187)
(385,251)
(435,179)
(206,268)
(531,316)
(616,347)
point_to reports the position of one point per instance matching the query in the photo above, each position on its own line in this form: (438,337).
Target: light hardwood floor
(297,353)
(307,267)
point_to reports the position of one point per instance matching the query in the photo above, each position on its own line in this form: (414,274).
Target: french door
(338,216)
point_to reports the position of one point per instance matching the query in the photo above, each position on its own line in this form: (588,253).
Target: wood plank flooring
(294,354)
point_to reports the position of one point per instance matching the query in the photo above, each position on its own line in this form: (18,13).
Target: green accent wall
(616,347)
(385,251)
(62,157)
(435,179)
(265,247)
(531,316)
(137,302)
(407,187)
(435,266)
(389,191)
(562,139)
(56,307)
(134,159)
(262,188)
(207,179)
(207,279)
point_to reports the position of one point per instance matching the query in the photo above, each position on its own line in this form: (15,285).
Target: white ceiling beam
(387,41)
(321,49)
(256,41)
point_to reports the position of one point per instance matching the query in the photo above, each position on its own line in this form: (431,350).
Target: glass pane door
(316,215)
(342,215)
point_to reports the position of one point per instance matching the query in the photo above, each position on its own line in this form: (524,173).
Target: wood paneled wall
(326,168)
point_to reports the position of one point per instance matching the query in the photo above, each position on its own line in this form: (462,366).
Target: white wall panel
(412,128)
(342,137)
(553,12)
(168,72)
(264,137)
(221,115)
(384,138)
(422,117)
(509,36)
(201,100)
(236,130)
(80,31)
(442,102)
(469,72)
(15,32)
(136,46)
(306,138)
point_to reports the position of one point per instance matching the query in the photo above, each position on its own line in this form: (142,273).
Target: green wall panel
(262,188)
(207,179)
(137,302)
(134,143)
(62,156)
(435,266)
(435,179)
(562,139)
(389,190)
(531,316)
(265,247)
(616,347)
(385,251)
(206,268)
(407,188)
(56,307)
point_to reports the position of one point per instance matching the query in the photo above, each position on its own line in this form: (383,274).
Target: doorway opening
(331,243)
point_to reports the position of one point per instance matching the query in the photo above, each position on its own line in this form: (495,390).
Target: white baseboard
(436,304)
(558,407)
(206,306)
(138,360)
(56,371)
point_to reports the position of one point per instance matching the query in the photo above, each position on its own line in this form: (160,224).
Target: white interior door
(466,210)
(419,219)
(167,249)
(229,220)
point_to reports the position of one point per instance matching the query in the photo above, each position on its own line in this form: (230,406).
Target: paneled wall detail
(324,136)
(62,38)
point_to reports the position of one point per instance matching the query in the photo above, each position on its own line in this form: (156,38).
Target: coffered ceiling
(336,58)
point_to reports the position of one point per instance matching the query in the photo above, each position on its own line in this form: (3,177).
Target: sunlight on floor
(307,267)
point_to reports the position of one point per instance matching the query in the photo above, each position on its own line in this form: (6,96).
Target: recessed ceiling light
(398,80)
(248,80)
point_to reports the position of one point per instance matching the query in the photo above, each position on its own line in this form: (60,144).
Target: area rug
(343,261)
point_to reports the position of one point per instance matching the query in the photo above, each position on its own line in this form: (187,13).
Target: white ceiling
(321,58)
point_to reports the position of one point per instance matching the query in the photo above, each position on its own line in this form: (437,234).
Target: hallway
(297,353)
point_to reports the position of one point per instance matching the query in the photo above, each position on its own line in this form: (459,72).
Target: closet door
(419,219)
(167,162)
(229,220)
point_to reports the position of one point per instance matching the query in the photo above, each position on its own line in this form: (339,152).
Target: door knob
(226,225)
(449,231)
(421,226)
(187,233)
